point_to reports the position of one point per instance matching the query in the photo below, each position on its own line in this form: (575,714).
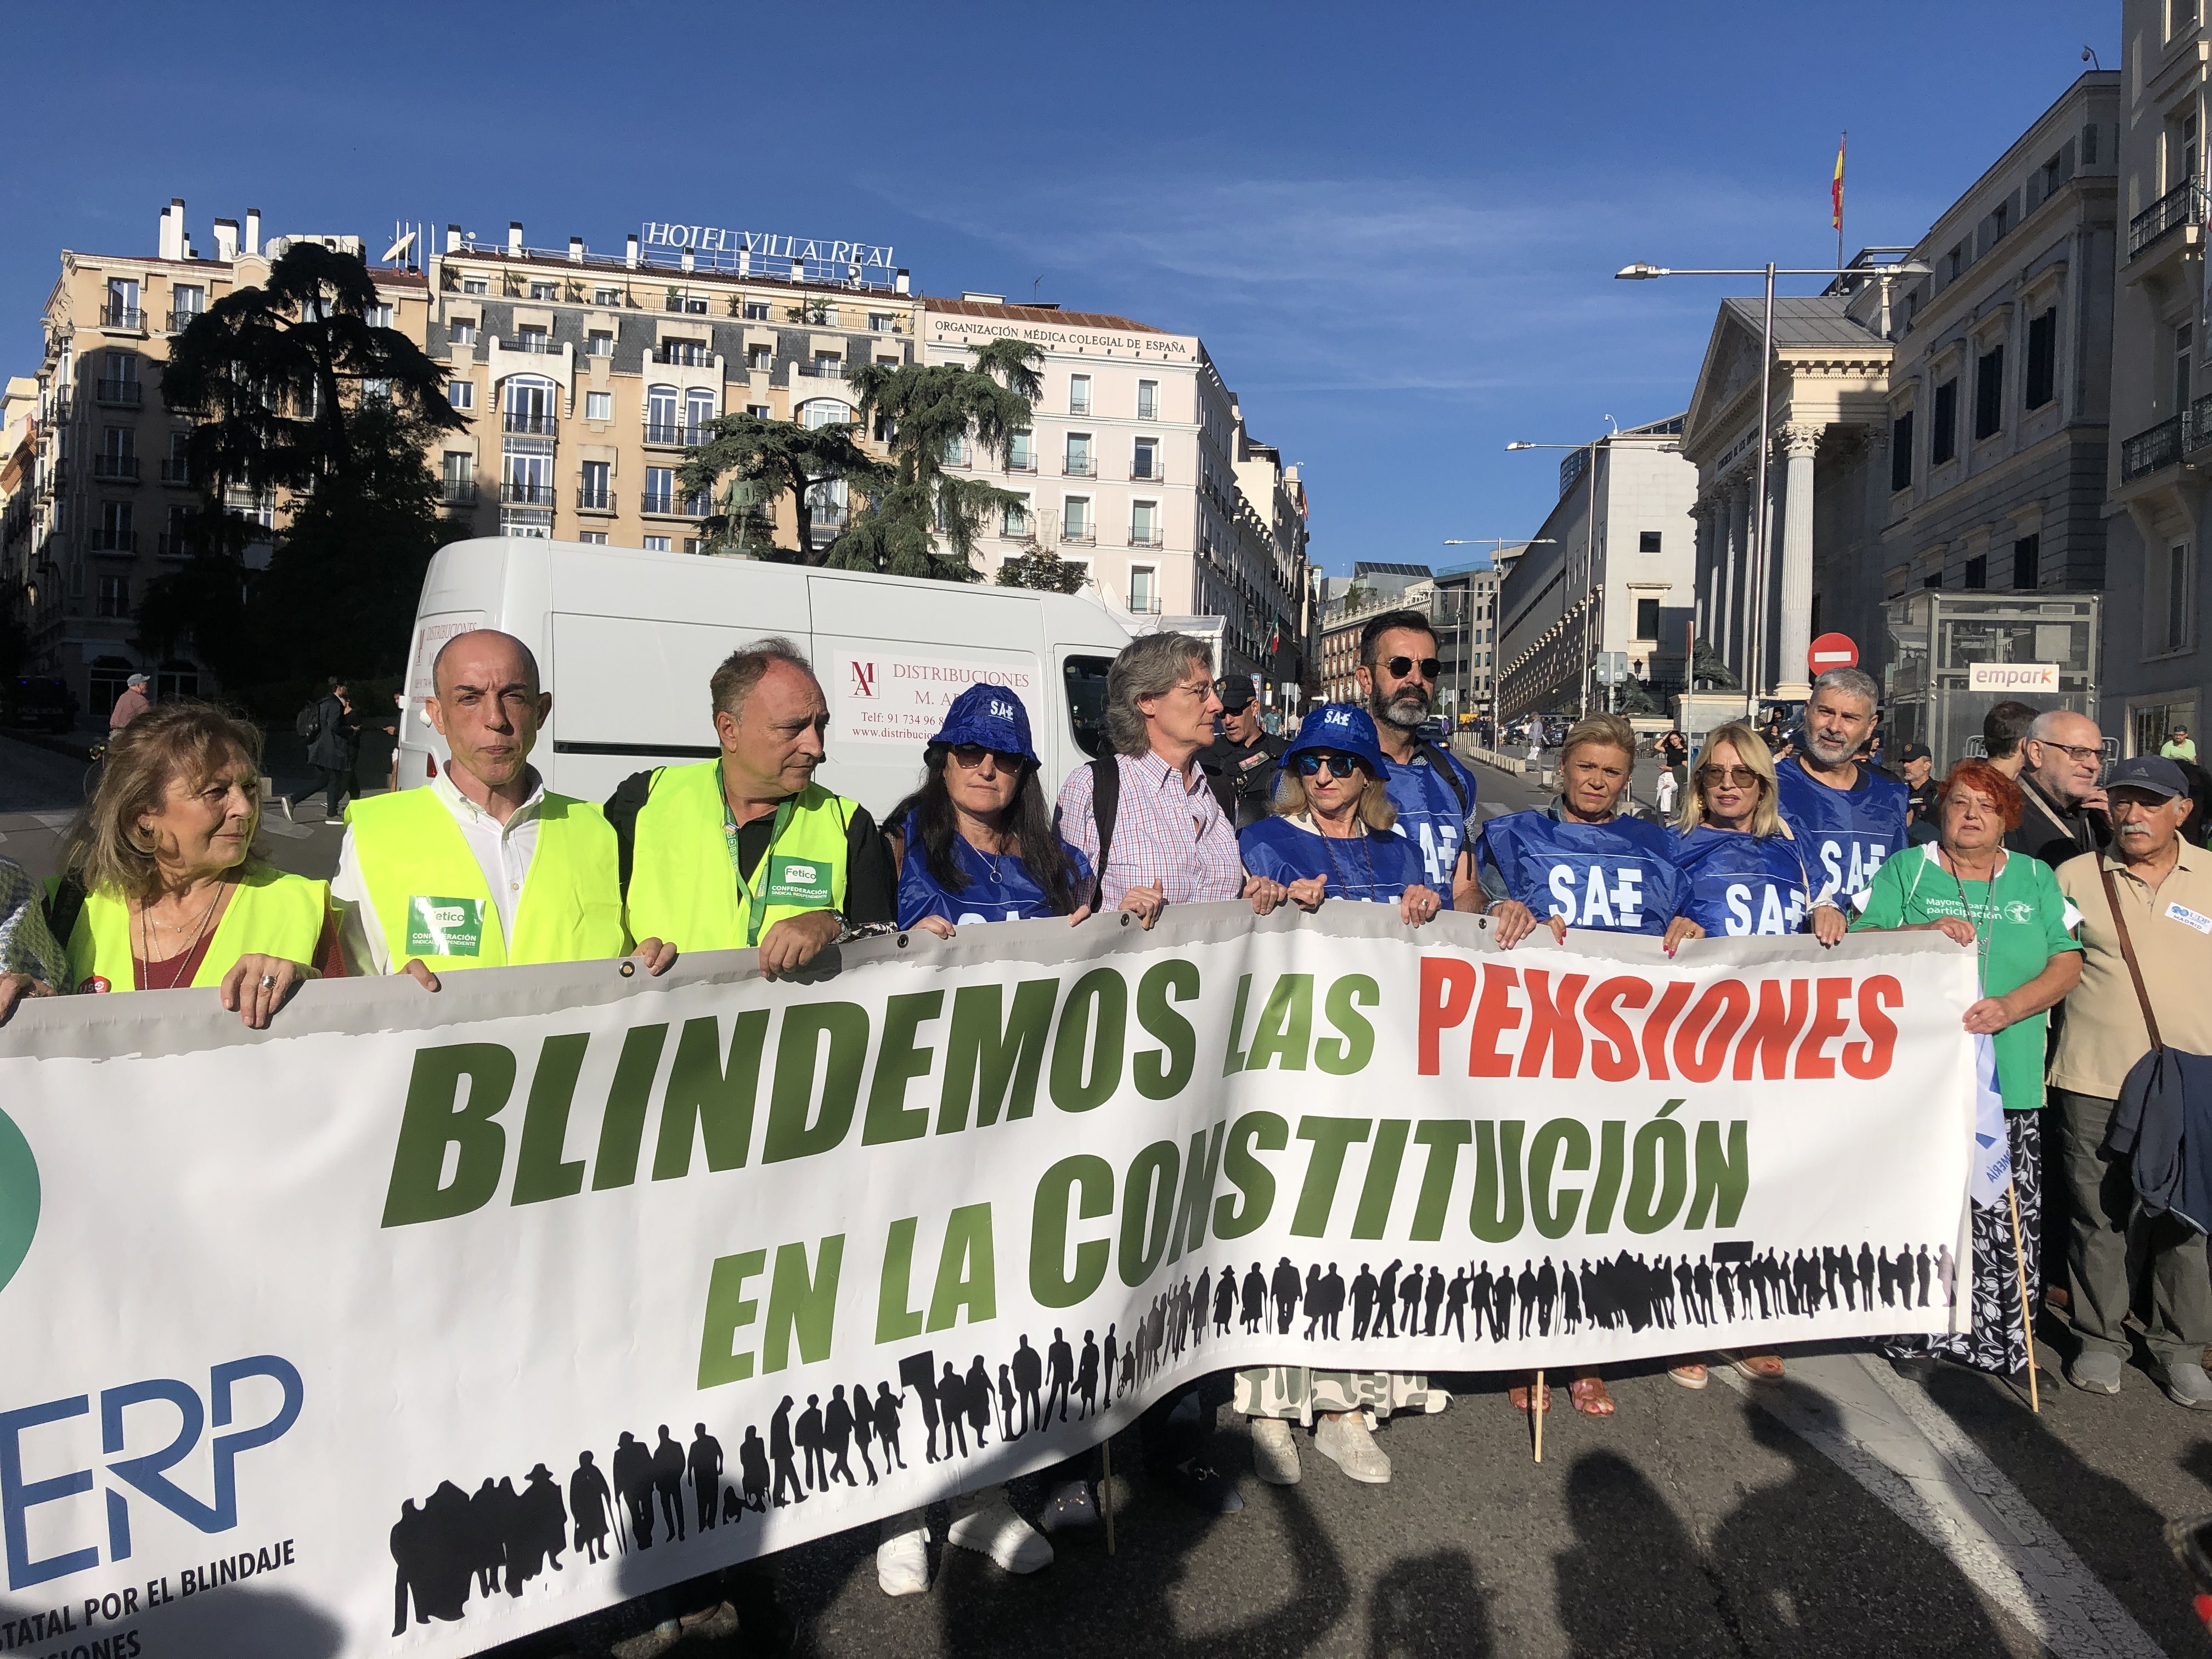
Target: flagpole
(2026,1317)
(1840,144)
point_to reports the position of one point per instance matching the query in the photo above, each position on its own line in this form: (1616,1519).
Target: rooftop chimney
(253,230)
(576,249)
(514,238)
(629,253)
(904,286)
(453,239)
(172,243)
(225,239)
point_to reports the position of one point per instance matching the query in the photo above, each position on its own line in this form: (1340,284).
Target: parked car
(37,704)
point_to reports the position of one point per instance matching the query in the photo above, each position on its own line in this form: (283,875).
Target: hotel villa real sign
(740,248)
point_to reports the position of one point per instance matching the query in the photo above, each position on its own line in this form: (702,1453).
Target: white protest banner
(418,1322)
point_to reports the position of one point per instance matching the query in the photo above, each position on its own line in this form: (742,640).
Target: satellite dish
(398,251)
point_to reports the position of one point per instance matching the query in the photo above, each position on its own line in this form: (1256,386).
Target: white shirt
(502,852)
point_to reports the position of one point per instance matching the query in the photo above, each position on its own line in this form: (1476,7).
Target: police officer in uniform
(1240,765)
(486,867)
(747,852)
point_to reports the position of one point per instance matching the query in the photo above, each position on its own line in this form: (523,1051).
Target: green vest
(431,902)
(684,885)
(270,913)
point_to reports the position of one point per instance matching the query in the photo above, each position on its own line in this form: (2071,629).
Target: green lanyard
(755,902)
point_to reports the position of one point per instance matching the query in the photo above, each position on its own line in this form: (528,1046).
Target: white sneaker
(285,801)
(1274,1451)
(1350,1445)
(902,1556)
(989,1526)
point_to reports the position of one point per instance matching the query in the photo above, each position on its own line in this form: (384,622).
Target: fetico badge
(19,1198)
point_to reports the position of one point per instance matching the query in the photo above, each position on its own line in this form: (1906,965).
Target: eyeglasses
(1401,667)
(970,755)
(1731,777)
(1340,766)
(1199,689)
(2083,752)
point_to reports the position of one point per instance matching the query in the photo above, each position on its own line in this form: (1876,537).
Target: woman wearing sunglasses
(975,843)
(1331,835)
(1747,876)
(1581,863)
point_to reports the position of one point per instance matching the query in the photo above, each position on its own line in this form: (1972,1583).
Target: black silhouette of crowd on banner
(497,1538)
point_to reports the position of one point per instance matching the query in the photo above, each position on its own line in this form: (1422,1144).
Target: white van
(627,642)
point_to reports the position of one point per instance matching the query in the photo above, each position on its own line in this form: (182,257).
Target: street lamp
(1755,641)
(1496,544)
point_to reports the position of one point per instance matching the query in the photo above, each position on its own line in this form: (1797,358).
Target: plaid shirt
(1165,829)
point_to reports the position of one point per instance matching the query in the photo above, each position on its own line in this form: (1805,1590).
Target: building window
(462,331)
(661,415)
(2180,17)
(593,537)
(1900,451)
(599,344)
(475,285)
(530,404)
(2184,341)
(759,359)
(462,394)
(698,414)
(2027,562)
(756,311)
(1989,391)
(593,492)
(1148,400)
(1144,524)
(1647,619)
(760,411)
(114,599)
(1079,394)
(2042,359)
(827,366)
(1977,576)
(460,476)
(2170,595)
(660,491)
(1145,459)
(186,301)
(1075,519)
(122,302)
(656,544)
(598,405)
(545,290)
(882,322)
(956,449)
(1021,452)
(606,297)
(377,316)
(1944,433)
(1017,521)
(1646,541)
(1078,464)
(822,412)
(1144,592)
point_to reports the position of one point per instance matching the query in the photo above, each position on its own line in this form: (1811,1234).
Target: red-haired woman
(2009,909)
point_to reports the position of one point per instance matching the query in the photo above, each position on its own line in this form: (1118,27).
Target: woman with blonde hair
(1744,875)
(161,888)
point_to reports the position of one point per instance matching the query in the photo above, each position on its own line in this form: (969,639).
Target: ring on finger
(268,980)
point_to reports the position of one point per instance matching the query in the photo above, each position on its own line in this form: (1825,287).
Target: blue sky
(1394,228)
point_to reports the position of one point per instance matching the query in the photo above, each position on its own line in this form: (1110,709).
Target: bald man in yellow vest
(485,867)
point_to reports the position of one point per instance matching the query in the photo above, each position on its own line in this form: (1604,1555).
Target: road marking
(1891,1438)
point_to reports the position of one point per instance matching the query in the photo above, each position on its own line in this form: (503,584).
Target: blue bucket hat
(1344,727)
(990,717)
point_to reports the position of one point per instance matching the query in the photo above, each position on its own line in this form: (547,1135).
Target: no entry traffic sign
(1831,651)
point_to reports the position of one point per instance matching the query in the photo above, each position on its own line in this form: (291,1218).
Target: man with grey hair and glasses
(1846,817)
(2061,756)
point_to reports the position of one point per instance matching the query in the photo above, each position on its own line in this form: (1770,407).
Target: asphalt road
(1842,1511)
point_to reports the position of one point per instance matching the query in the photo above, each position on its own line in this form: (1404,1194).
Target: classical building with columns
(1945,431)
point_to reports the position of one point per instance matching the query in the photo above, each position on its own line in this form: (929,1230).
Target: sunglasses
(1732,777)
(1340,766)
(1401,667)
(970,755)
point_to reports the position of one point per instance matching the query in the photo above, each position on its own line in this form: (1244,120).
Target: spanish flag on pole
(1836,190)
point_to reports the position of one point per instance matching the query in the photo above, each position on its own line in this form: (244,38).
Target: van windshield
(1085,679)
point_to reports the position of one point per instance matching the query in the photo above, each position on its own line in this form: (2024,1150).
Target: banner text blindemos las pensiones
(341,1329)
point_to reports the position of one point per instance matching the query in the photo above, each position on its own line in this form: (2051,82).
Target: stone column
(1734,562)
(1701,515)
(1795,632)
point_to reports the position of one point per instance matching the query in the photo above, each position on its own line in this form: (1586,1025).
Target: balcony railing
(1018,463)
(601,499)
(128,393)
(457,492)
(657,503)
(519,420)
(1079,466)
(176,547)
(2148,451)
(669,436)
(1143,605)
(1019,530)
(115,316)
(175,471)
(1148,538)
(829,518)
(831,368)
(1147,472)
(681,356)
(114,541)
(2182,205)
(522,493)
(58,410)
(1147,410)
(537,345)
(115,466)
(1085,537)
(182,320)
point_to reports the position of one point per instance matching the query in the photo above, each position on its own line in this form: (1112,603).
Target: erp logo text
(133,1421)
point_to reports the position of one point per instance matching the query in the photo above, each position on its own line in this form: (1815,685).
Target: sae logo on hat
(1339,715)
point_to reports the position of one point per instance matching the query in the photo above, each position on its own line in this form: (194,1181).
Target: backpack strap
(1105,804)
(63,908)
(2128,950)
(1441,762)
(622,809)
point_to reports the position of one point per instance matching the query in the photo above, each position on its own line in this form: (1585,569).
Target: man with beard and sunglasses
(1846,817)
(1433,791)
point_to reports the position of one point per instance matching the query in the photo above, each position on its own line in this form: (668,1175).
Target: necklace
(145,965)
(1987,918)
(1344,881)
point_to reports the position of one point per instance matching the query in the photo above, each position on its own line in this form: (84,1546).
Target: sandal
(1590,1396)
(1518,1397)
(1759,1367)
(1690,1376)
